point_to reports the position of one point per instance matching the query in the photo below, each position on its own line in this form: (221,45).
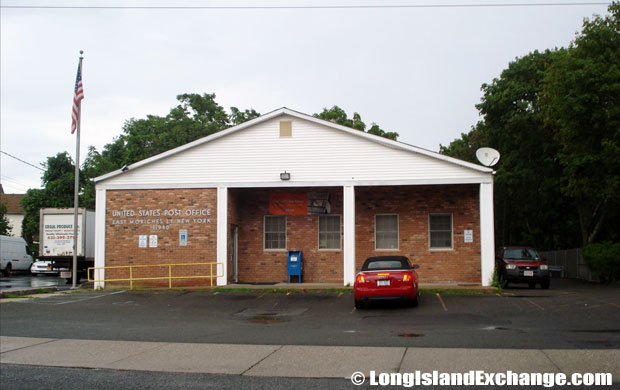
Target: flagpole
(76,188)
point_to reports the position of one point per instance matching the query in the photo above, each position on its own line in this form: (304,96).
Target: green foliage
(529,208)
(495,281)
(32,202)
(555,118)
(195,116)
(604,260)
(456,291)
(58,182)
(5,227)
(339,116)
(237,117)
(582,94)
(9,295)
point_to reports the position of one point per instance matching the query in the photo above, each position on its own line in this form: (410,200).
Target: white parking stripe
(87,298)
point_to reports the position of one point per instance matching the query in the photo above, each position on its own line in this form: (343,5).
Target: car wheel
(531,285)
(7,270)
(545,284)
(414,302)
(359,305)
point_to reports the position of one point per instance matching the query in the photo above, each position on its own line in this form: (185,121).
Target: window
(440,228)
(386,231)
(329,232)
(275,232)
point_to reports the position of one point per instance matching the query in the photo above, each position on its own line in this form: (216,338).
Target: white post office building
(245,196)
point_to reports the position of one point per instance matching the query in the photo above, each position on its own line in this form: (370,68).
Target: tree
(5,226)
(555,117)
(582,92)
(528,205)
(339,116)
(237,116)
(195,116)
(32,202)
(58,183)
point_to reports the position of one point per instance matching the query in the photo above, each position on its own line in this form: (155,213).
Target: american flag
(77,98)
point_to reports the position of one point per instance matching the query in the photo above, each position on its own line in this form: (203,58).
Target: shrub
(604,261)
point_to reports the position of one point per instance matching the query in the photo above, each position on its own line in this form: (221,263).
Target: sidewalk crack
(402,359)
(30,346)
(160,345)
(260,361)
(551,360)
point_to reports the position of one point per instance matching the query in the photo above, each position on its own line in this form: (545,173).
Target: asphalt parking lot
(571,314)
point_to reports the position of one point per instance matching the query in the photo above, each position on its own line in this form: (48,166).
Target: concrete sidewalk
(294,360)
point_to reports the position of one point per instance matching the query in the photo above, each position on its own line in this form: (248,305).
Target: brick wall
(168,212)
(247,208)
(413,204)
(259,265)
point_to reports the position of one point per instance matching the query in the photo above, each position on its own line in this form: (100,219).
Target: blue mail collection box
(294,265)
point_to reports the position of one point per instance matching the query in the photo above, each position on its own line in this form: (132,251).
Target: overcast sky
(416,71)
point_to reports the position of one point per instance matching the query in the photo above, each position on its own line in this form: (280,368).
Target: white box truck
(14,255)
(56,240)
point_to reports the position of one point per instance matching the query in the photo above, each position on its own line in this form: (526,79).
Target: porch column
(100,212)
(487,234)
(222,235)
(349,235)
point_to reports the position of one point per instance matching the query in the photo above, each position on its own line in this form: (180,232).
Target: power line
(20,160)
(14,183)
(295,7)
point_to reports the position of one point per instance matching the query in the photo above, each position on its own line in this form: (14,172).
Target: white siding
(315,153)
(15,222)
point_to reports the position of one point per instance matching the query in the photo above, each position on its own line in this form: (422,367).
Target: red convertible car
(386,277)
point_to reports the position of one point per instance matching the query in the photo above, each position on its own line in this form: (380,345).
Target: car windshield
(521,254)
(386,264)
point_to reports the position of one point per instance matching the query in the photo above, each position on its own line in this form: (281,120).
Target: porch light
(285,176)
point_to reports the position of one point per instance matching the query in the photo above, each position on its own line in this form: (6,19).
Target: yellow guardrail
(93,271)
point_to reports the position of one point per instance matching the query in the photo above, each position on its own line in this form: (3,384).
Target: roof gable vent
(286,129)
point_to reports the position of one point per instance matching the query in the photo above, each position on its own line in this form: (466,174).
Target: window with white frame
(386,231)
(329,232)
(440,231)
(275,232)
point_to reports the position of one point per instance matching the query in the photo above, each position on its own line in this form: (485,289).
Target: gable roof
(12,201)
(295,114)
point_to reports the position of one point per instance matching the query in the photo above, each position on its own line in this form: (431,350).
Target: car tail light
(407,278)
(544,267)
(360,279)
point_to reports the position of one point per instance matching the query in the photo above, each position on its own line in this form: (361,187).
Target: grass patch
(455,291)
(495,282)
(10,295)
(246,290)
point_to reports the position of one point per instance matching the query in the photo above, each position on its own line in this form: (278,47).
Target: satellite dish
(487,156)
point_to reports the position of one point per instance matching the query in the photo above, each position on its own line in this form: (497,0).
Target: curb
(35,291)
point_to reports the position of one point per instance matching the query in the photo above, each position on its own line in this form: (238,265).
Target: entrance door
(234,252)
